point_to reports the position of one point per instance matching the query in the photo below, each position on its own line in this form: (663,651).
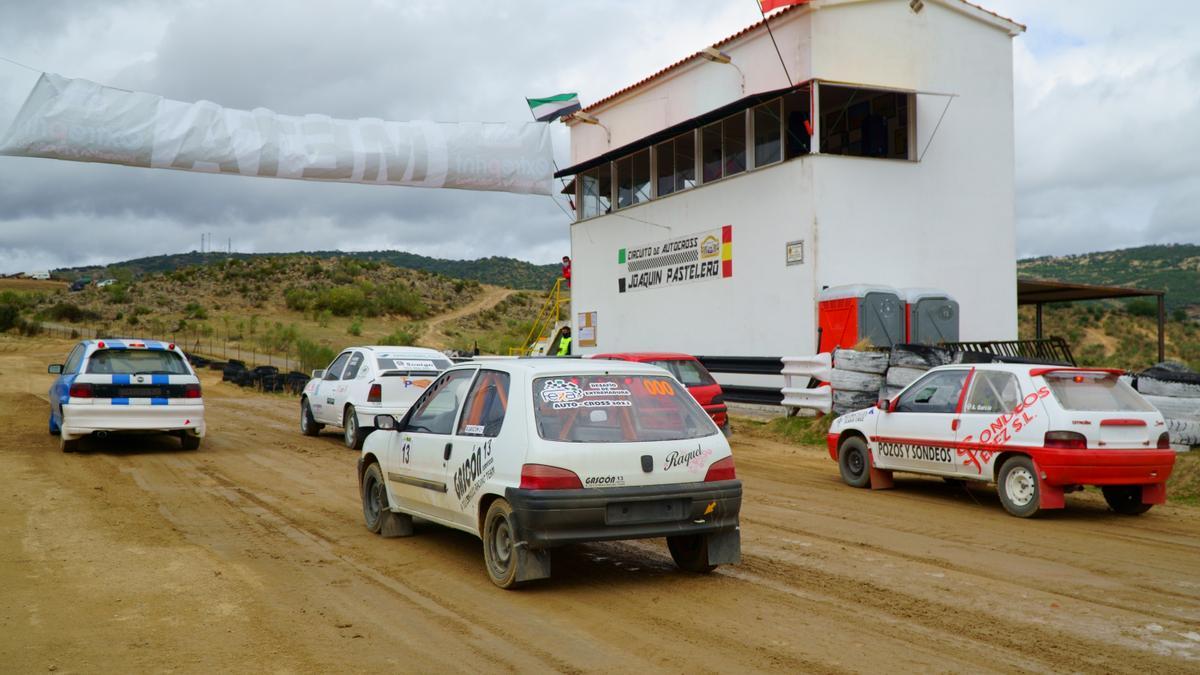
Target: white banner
(83,121)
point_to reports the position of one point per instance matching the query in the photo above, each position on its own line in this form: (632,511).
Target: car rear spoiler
(1037,372)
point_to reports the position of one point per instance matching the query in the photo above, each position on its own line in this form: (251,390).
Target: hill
(1174,268)
(497,271)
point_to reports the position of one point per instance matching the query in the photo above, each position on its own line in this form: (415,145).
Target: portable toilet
(849,314)
(931,316)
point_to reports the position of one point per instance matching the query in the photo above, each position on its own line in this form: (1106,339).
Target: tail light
(1065,440)
(542,477)
(1164,441)
(722,469)
(376,394)
(81,390)
(191,391)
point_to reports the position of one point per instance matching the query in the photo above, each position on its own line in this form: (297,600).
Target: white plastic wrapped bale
(83,121)
(1156,386)
(889,392)
(849,401)
(860,362)
(849,380)
(902,376)
(1176,408)
(1181,432)
(922,356)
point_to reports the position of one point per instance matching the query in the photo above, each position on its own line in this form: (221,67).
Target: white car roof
(1016,368)
(422,352)
(537,367)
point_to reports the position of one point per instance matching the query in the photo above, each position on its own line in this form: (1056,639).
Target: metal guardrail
(743,365)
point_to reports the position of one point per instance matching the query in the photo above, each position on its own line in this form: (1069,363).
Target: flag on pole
(768,5)
(553,107)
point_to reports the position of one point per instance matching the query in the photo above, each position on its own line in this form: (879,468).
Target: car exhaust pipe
(101,434)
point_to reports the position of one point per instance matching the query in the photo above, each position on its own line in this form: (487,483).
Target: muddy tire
(308,423)
(352,434)
(1017,485)
(854,462)
(690,553)
(189,441)
(374,498)
(500,555)
(860,362)
(1125,499)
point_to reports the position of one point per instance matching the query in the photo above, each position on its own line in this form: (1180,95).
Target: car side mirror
(884,405)
(385,422)
(318,373)
(55,369)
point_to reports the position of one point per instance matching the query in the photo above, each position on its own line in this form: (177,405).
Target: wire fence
(211,345)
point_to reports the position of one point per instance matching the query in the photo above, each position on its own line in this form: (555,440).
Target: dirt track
(250,555)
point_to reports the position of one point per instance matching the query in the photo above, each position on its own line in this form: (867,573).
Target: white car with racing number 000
(363,382)
(1037,432)
(529,454)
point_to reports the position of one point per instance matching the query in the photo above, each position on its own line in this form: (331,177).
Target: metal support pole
(1039,321)
(1162,322)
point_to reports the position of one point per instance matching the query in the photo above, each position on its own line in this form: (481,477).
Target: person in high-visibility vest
(564,342)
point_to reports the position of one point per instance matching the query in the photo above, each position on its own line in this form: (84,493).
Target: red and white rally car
(1037,432)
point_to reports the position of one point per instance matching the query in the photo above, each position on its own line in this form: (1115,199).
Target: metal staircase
(547,323)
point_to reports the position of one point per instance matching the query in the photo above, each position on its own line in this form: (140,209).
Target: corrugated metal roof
(735,36)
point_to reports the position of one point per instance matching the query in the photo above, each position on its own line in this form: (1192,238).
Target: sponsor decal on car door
(997,414)
(920,434)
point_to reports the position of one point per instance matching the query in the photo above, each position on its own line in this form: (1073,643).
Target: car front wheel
(308,424)
(1018,487)
(1125,499)
(854,462)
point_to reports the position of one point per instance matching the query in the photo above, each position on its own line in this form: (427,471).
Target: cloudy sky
(1107,103)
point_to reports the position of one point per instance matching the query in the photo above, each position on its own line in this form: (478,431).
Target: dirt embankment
(250,555)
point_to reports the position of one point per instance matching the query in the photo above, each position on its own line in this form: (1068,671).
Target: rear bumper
(81,420)
(546,518)
(1105,467)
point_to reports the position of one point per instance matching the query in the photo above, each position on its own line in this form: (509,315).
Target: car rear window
(616,409)
(690,373)
(1099,392)
(394,365)
(136,361)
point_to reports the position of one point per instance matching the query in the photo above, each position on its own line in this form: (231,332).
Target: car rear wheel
(352,434)
(189,441)
(500,553)
(690,553)
(308,424)
(374,498)
(854,463)
(65,445)
(1018,487)
(1125,499)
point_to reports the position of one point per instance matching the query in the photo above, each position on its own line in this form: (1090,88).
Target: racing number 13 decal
(406,452)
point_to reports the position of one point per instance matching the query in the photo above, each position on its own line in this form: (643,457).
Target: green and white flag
(553,107)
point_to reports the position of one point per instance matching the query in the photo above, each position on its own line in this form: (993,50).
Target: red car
(691,374)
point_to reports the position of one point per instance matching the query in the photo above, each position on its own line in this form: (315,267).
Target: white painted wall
(946,222)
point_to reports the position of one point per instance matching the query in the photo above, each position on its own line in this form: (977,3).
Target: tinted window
(993,392)
(483,413)
(690,373)
(1099,392)
(434,413)
(73,359)
(616,409)
(934,393)
(335,369)
(134,361)
(353,366)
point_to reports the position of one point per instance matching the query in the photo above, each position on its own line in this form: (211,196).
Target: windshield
(690,373)
(616,409)
(1099,392)
(135,361)
(397,365)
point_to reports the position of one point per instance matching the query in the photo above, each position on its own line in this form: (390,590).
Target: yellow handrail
(546,317)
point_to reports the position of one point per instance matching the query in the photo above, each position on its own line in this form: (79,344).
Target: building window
(723,147)
(797,126)
(768,133)
(595,192)
(864,122)
(676,164)
(633,179)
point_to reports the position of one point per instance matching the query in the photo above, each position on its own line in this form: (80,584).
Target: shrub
(313,355)
(117,294)
(194,310)
(66,311)
(1142,307)
(10,316)
(1180,315)
(401,336)
(355,328)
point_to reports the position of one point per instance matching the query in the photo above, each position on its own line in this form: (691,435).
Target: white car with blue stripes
(125,385)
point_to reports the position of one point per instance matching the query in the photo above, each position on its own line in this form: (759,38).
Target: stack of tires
(1175,390)
(857,379)
(906,363)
